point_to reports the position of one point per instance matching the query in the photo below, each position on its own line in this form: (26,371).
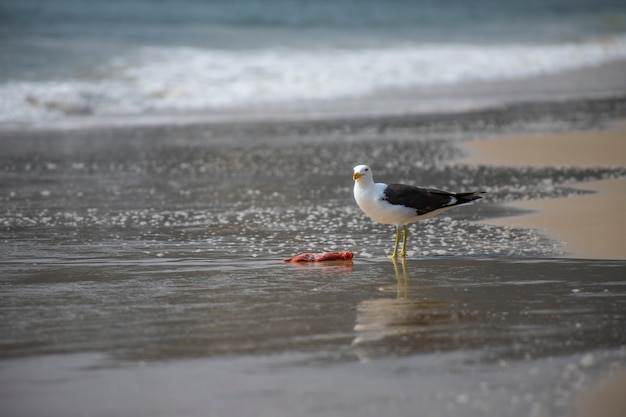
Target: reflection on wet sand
(408,323)
(327,265)
(331,269)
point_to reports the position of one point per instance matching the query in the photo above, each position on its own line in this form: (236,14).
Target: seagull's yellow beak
(356,175)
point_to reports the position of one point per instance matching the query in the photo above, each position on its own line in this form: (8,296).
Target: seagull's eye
(367,169)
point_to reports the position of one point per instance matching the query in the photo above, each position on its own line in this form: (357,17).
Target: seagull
(401,204)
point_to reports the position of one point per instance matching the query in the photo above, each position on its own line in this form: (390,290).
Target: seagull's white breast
(370,198)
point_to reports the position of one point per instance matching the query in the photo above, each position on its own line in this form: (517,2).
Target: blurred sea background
(74,59)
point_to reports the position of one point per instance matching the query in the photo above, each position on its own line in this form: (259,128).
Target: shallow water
(444,336)
(143,310)
(142,274)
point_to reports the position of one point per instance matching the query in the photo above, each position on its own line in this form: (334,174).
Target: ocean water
(73,59)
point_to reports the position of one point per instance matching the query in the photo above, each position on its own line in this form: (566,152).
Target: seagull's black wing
(425,200)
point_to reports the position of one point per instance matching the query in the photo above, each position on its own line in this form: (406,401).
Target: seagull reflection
(404,325)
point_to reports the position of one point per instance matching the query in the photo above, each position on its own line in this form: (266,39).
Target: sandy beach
(591,225)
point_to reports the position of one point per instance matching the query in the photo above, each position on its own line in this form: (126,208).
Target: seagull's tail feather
(468,198)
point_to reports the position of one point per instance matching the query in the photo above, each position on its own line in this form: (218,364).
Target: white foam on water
(182,79)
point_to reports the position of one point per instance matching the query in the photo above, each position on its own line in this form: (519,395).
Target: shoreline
(591,225)
(571,88)
(520,117)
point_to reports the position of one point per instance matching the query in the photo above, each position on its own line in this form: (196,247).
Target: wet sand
(141,273)
(591,225)
(187,336)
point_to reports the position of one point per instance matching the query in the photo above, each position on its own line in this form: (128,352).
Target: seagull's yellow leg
(406,236)
(394,255)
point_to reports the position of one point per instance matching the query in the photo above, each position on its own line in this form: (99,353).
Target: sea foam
(182,79)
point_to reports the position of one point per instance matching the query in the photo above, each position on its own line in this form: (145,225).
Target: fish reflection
(405,324)
(329,267)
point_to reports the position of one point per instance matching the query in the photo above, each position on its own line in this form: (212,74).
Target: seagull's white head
(363,174)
